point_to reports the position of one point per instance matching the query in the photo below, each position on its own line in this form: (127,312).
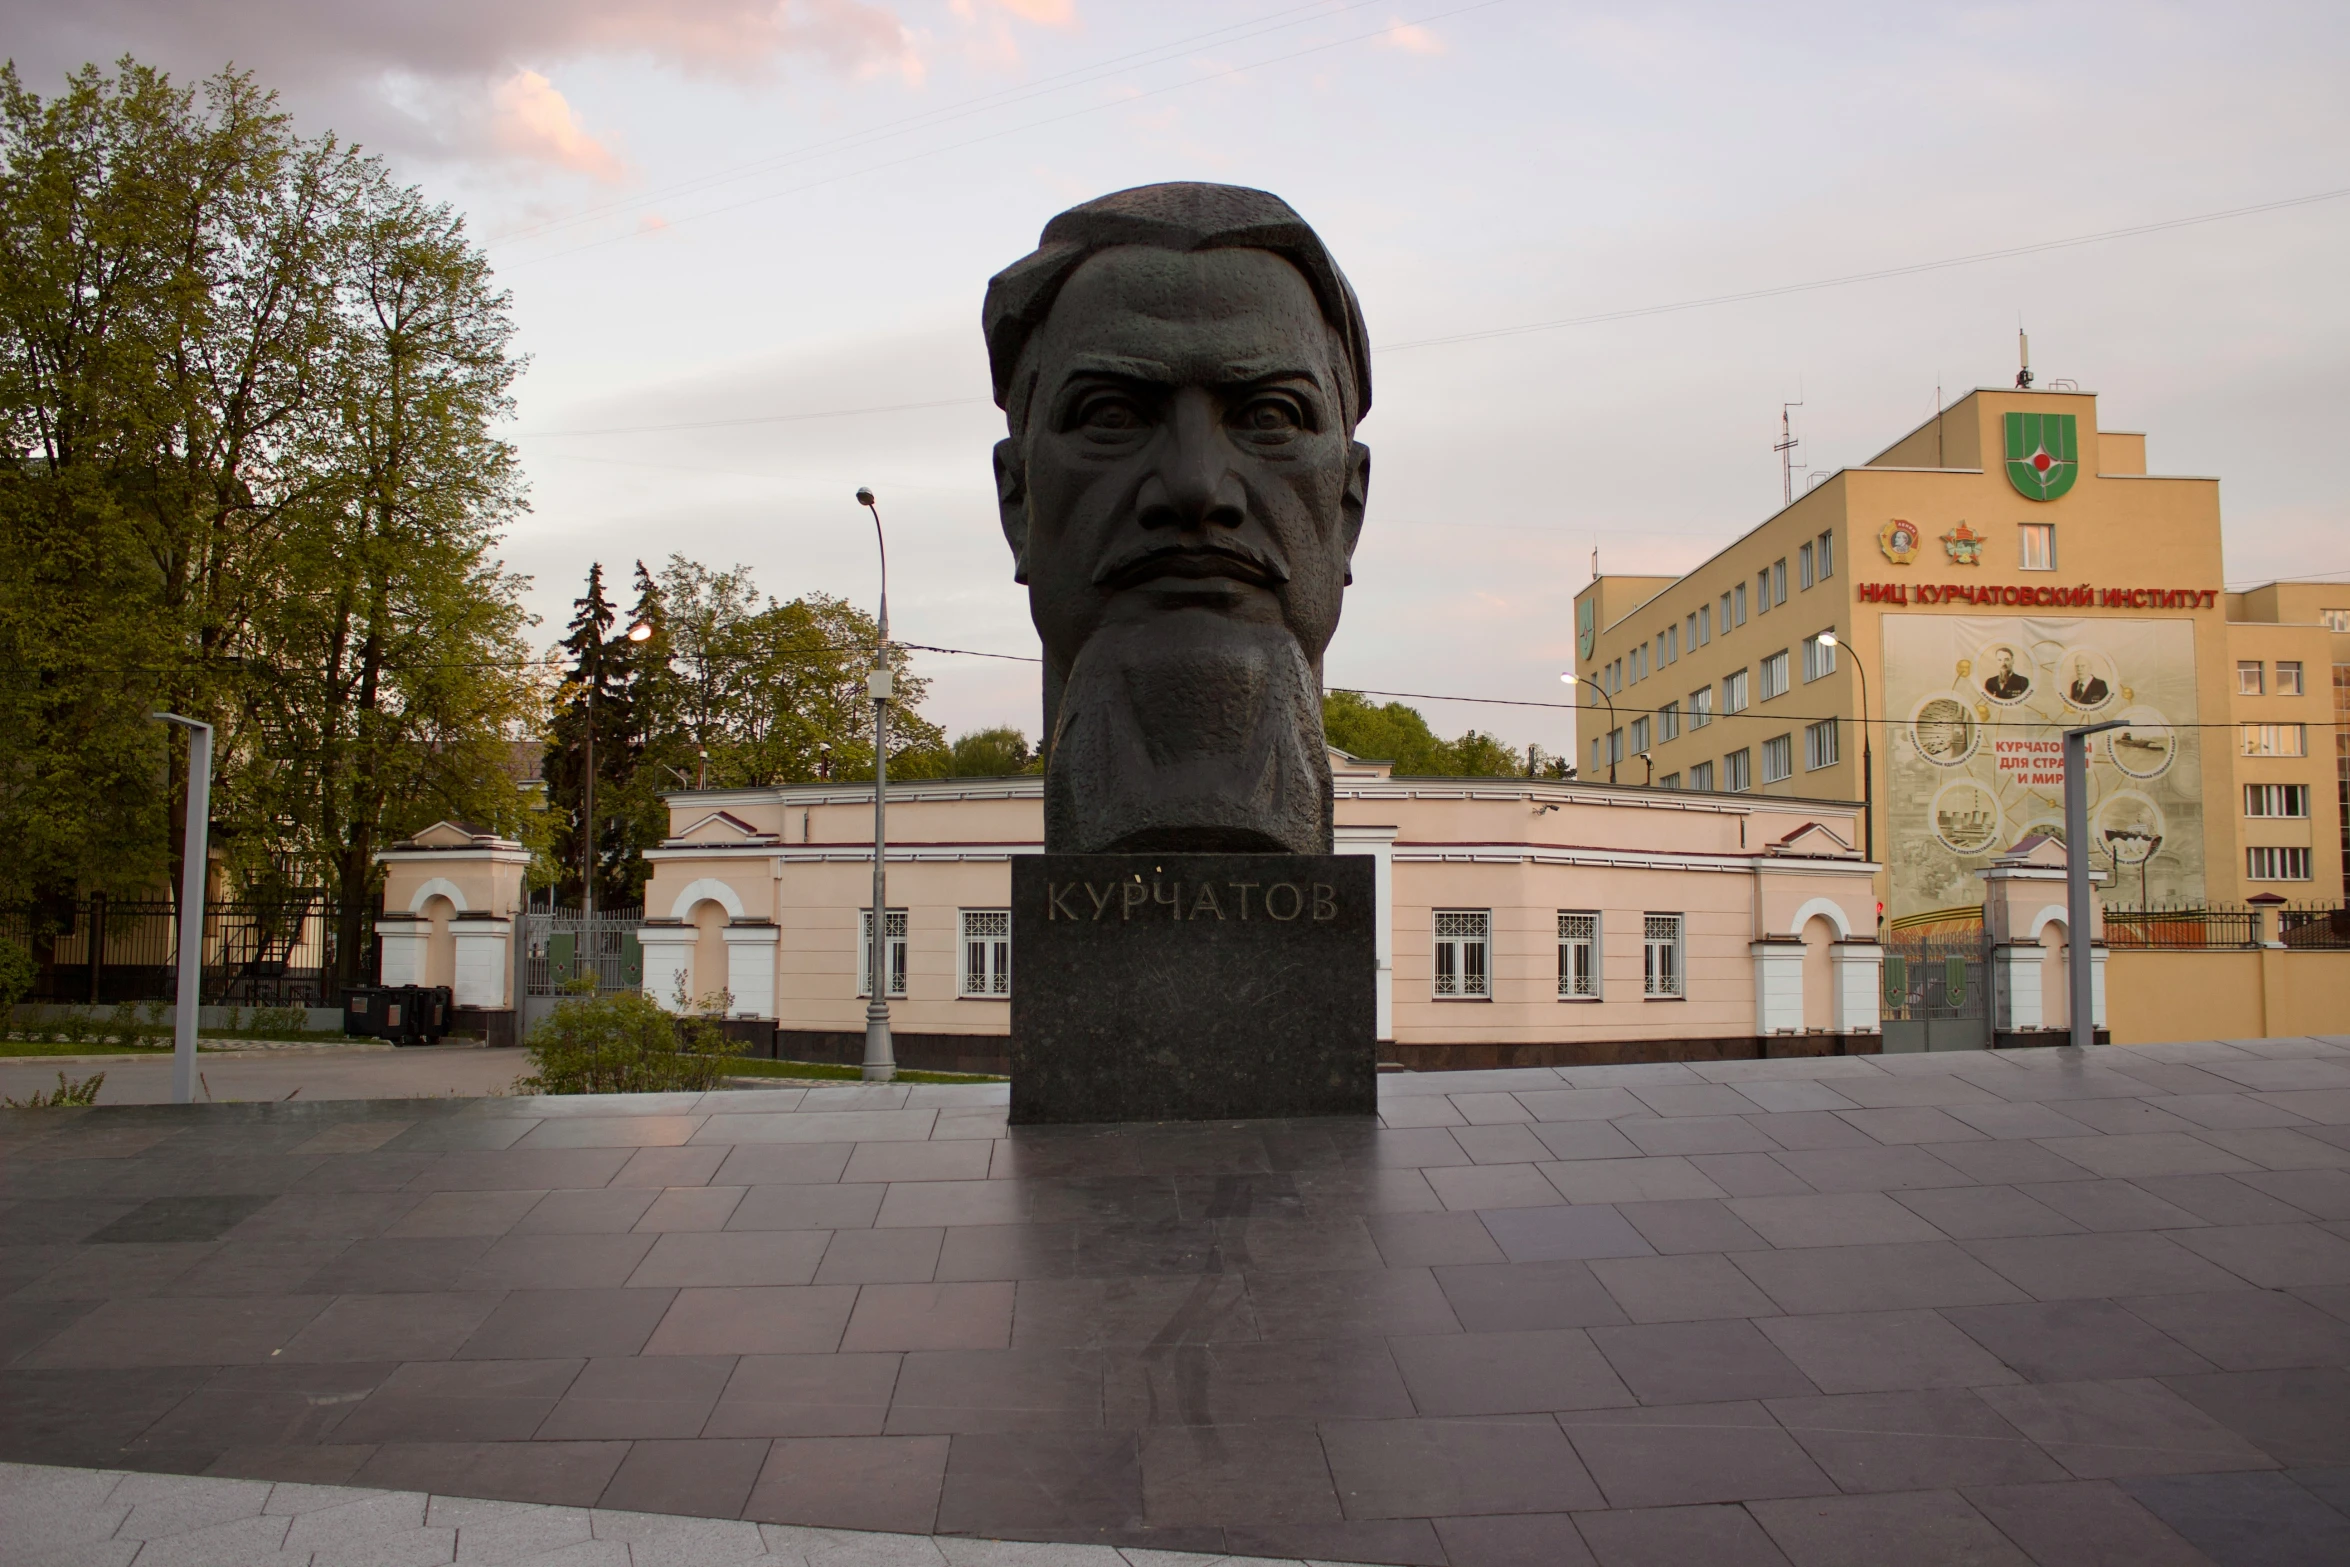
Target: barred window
(896,940)
(1464,947)
(1774,675)
(987,952)
(1778,758)
(1819,745)
(2277,864)
(1819,658)
(1738,772)
(1827,554)
(2276,799)
(2276,740)
(1701,776)
(1578,956)
(1661,965)
(1668,721)
(1701,708)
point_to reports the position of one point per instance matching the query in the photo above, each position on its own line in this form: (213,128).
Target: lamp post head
(864,496)
(642,631)
(1827,639)
(1568,676)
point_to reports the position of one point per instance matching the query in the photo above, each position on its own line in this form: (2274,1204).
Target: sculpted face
(1182,494)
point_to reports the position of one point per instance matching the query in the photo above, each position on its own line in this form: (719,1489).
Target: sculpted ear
(1011,499)
(1357,496)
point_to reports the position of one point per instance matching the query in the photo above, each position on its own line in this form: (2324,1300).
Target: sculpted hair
(1178,217)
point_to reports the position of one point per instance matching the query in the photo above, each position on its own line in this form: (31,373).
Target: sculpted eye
(1110,414)
(1271,416)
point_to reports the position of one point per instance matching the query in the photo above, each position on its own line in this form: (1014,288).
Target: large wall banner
(1979,706)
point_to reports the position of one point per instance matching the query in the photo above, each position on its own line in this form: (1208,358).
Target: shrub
(18,975)
(84,1092)
(624,1043)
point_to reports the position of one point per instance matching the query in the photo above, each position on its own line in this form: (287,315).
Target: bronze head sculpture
(1181,368)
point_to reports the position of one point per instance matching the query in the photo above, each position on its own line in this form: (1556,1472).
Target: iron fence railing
(2182,928)
(277,952)
(2314,925)
(563,946)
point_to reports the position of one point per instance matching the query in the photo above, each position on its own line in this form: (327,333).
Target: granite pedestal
(1187,987)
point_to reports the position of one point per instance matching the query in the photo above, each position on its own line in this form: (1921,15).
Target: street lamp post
(193,850)
(1868,783)
(1573,679)
(2076,880)
(881,1063)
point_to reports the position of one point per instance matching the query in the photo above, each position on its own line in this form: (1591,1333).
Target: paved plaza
(2036,1306)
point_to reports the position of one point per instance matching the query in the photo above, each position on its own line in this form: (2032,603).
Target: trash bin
(399,1014)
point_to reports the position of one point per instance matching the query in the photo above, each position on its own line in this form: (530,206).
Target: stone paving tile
(1506,1373)
(2248,1330)
(1444,1468)
(2106,1430)
(2247,1518)
(1884,1351)
(1865,1531)
(2074,1341)
(2296,1417)
(1680,1289)
(1912,1441)
(1874,1278)
(1698,1536)
(2083,1523)
(1691,1453)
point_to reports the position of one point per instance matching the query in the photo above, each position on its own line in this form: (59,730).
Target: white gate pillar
(750,968)
(669,960)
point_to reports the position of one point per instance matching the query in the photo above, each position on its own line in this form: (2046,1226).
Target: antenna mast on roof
(2023,354)
(1786,450)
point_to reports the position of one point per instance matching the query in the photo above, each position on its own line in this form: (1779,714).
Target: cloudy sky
(747,241)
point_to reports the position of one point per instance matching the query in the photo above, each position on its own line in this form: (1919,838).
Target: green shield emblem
(2043,454)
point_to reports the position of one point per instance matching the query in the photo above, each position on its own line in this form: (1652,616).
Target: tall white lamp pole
(193,849)
(2077,919)
(881,1063)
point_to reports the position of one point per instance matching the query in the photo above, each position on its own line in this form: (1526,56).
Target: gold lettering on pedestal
(1100,896)
(1206,900)
(1244,888)
(1135,896)
(1055,909)
(1325,901)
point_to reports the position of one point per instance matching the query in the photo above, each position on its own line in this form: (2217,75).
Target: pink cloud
(531,121)
(1412,38)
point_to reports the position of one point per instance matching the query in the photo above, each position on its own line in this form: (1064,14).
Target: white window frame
(2277,800)
(1778,759)
(1738,771)
(2289,678)
(983,971)
(2336,620)
(1664,974)
(1819,658)
(1774,675)
(2277,864)
(1701,707)
(1821,746)
(1701,776)
(1734,692)
(2029,534)
(2251,677)
(1462,962)
(2275,740)
(897,952)
(1579,970)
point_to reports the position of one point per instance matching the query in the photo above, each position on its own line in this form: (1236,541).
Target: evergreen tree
(593,728)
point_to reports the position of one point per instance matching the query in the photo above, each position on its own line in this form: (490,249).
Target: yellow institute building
(2003,572)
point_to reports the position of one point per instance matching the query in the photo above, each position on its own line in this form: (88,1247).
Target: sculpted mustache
(1138,564)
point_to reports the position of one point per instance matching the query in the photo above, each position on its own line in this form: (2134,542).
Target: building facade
(2003,572)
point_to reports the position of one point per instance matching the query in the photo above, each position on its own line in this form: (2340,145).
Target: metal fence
(1937,992)
(262,953)
(2182,928)
(2315,925)
(561,947)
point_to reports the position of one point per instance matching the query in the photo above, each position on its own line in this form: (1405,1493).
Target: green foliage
(990,753)
(246,387)
(18,975)
(66,1093)
(1392,732)
(624,1043)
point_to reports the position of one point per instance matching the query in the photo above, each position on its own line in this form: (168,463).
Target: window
(1669,781)
(2276,864)
(1735,615)
(1778,758)
(1774,675)
(1668,721)
(1762,591)
(1737,772)
(1819,745)
(897,952)
(1734,691)
(1578,956)
(2036,546)
(1615,746)
(2276,799)
(2249,678)
(1827,554)
(1779,581)
(1639,735)
(1672,641)
(1701,776)
(2275,740)
(1596,762)
(1803,568)
(1705,625)
(1819,658)
(1689,629)
(1660,969)
(1701,708)
(987,952)
(1464,941)
(2288,677)
(2337,620)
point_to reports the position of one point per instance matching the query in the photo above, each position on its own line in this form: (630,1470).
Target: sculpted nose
(1191,486)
